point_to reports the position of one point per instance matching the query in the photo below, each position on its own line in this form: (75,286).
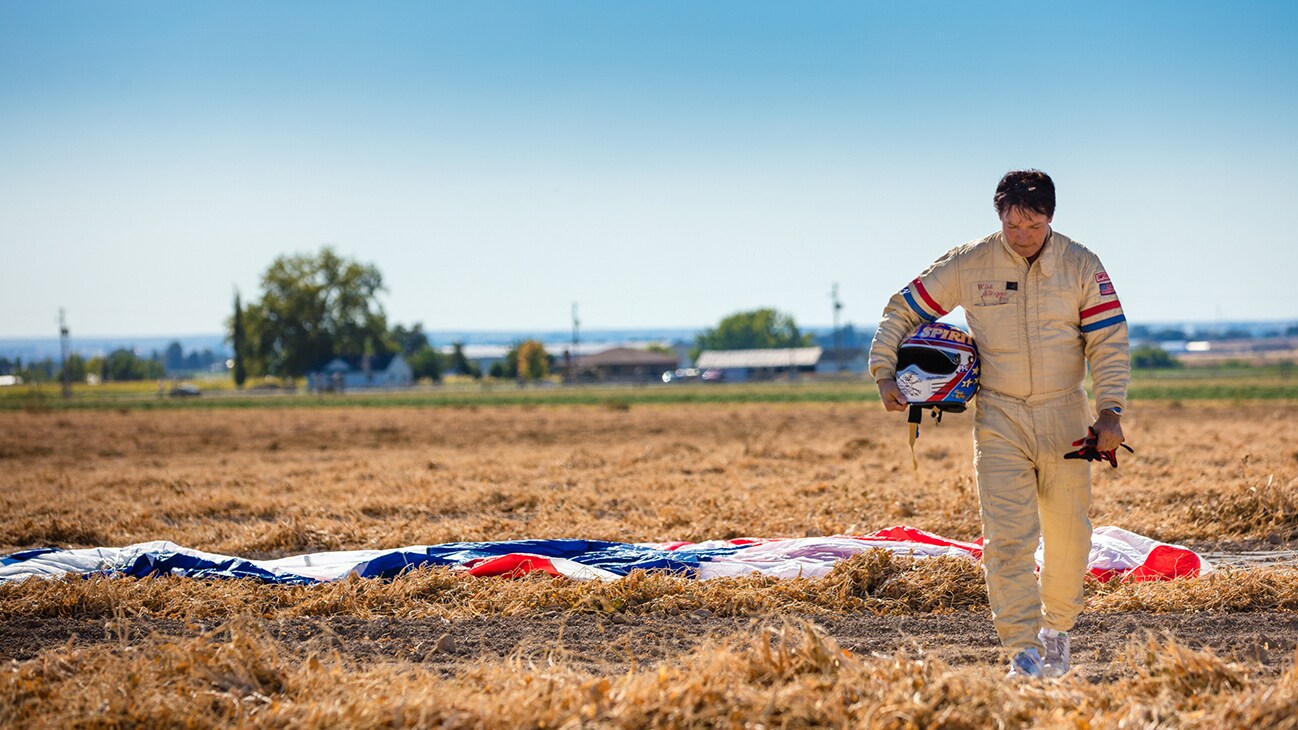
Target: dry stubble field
(880,642)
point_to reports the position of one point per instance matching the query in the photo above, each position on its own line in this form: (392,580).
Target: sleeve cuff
(1110,405)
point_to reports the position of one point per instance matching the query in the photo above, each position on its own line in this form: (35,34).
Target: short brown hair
(1027,190)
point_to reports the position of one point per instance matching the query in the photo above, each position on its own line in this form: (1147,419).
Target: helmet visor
(928,359)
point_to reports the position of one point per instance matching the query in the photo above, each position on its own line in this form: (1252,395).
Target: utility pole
(838,345)
(64,344)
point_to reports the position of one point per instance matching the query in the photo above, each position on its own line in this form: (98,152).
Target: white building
(348,372)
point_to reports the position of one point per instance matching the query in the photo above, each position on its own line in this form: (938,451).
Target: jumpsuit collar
(1046,258)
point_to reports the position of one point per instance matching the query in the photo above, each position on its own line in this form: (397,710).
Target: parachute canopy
(1115,553)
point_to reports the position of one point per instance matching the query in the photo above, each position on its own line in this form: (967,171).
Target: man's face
(1025,230)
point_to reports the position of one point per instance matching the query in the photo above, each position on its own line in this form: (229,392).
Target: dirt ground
(611,644)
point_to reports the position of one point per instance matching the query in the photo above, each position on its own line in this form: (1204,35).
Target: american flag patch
(1101,277)
(1106,289)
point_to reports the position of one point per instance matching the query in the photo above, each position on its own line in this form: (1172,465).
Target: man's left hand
(1108,431)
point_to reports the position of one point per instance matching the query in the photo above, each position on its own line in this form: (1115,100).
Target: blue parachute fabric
(195,566)
(622,558)
(395,562)
(616,557)
(23,555)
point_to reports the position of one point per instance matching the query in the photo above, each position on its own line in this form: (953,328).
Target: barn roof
(355,363)
(775,358)
(627,356)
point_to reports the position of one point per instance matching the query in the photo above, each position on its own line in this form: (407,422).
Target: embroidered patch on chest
(990,293)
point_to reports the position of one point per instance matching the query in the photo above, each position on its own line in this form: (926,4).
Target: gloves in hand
(1090,453)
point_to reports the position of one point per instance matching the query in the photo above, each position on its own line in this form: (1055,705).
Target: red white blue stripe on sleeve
(1102,315)
(930,310)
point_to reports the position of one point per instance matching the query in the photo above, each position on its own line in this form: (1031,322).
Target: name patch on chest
(992,293)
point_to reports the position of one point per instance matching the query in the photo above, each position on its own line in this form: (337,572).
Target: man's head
(1025,203)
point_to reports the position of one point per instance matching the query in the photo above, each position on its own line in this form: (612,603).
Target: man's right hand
(891,395)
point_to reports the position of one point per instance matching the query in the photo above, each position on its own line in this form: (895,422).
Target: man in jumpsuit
(1041,308)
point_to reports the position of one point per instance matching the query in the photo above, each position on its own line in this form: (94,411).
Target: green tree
(425,363)
(755,329)
(75,369)
(460,364)
(122,364)
(37,371)
(1152,357)
(174,356)
(313,308)
(239,342)
(409,341)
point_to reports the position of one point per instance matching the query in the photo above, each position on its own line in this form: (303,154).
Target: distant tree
(98,367)
(1233,333)
(174,357)
(409,341)
(37,371)
(460,365)
(848,337)
(196,360)
(425,363)
(533,360)
(756,329)
(239,341)
(1291,330)
(123,364)
(1152,357)
(526,360)
(74,368)
(313,308)
(659,348)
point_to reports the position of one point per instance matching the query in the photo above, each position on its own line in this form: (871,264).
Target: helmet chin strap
(913,418)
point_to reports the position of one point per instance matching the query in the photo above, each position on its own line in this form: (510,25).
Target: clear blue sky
(661,163)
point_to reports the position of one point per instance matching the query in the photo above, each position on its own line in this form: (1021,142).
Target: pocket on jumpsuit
(995,327)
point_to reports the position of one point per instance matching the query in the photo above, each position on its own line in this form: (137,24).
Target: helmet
(938,366)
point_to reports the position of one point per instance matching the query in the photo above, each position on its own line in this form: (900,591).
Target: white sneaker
(1056,661)
(1026,664)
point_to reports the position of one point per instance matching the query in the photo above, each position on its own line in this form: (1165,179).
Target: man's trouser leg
(1064,490)
(1025,485)
(1007,495)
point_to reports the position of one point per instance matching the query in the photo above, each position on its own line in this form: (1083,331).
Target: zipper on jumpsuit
(1028,292)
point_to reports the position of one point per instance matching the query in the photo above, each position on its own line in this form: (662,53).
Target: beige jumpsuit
(1037,327)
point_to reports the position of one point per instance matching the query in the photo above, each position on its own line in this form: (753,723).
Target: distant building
(624,364)
(846,360)
(348,372)
(480,356)
(742,365)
